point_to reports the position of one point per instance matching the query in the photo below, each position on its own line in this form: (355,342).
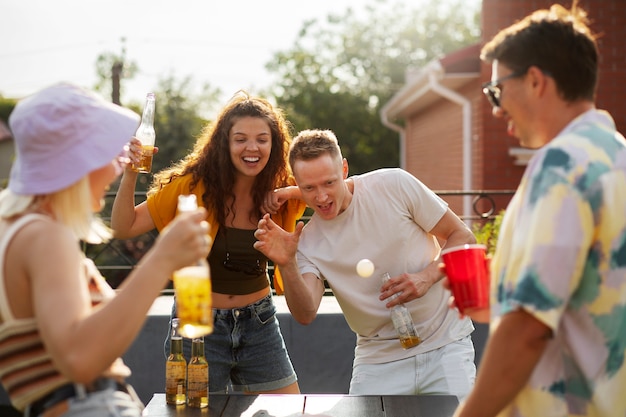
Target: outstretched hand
(274,242)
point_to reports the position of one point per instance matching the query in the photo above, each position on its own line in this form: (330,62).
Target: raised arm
(82,340)
(302,292)
(128,220)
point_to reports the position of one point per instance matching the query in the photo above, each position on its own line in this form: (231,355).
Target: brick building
(450,140)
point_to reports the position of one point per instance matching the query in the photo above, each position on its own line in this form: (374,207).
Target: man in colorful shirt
(558,318)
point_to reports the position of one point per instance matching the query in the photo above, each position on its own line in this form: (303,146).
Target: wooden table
(274,405)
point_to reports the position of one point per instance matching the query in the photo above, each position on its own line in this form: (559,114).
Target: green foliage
(178,121)
(104,68)
(6,107)
(341,71)
(487,232)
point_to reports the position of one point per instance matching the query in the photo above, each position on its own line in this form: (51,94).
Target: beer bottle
(403,322)
(145,133)
(192,285)
(175,369)
(198,376)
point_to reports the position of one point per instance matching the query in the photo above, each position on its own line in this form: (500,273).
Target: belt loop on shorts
(81,391)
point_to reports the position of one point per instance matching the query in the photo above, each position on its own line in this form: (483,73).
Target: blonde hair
(70,206)
(313,143)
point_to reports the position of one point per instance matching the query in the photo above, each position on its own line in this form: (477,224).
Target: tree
(178,117)
(177,123)
(111,69)
(341,71)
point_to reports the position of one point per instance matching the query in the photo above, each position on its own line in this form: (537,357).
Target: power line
(51,49)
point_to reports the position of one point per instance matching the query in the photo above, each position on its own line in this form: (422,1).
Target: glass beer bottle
(145,133)
(175,369)
(403,322)
(198,376)
(192,286)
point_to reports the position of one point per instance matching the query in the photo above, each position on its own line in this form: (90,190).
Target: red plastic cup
(467,268)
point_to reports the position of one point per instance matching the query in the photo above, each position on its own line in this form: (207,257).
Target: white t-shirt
(387,222)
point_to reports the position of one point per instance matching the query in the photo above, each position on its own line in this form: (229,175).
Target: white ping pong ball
(365,268)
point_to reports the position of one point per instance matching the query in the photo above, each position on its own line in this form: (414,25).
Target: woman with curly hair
(237,163)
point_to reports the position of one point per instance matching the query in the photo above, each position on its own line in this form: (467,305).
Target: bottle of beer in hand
(198,376)
(192,286)
(403,322)
(175,369)
(145,133)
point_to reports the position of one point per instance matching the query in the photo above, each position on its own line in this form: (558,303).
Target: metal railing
(115,259)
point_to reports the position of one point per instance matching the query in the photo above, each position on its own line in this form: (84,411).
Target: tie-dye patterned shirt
(561,256)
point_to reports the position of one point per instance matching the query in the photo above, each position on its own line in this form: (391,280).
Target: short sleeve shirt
(561,257)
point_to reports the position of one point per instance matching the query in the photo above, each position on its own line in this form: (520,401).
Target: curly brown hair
(210,161)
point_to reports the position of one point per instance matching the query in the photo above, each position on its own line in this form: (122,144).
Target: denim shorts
(246,351)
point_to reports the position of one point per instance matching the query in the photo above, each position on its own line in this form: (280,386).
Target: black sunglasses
(493,89)
(243,267)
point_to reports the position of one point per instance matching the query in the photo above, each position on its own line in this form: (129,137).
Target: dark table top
(331,405)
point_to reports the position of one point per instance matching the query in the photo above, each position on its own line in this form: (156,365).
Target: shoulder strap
(5,311)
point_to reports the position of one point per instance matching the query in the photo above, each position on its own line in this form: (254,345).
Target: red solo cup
(467,268)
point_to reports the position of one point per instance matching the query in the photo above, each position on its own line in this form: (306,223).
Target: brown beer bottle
(175,369)
(198,376)
(403,322)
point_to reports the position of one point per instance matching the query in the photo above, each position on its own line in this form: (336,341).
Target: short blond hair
(313,143)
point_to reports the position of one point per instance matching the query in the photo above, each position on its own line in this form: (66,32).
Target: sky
(223,42)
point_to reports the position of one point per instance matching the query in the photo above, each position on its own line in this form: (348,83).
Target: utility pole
(117,72)
(116,75)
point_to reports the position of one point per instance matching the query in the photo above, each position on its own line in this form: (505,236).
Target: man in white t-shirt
(391,218)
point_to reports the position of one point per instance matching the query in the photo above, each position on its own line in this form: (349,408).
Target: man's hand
(407,286)
(274,242)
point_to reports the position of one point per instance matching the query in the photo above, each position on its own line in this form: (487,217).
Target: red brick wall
(609,18)
(434,146)
(437,160)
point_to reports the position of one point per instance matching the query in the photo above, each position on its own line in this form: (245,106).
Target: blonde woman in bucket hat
(62,328)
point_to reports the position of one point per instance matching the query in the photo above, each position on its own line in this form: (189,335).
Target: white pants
(449,370)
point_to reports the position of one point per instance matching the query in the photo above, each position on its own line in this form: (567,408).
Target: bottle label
(197,380)
(403,322)
(175,377)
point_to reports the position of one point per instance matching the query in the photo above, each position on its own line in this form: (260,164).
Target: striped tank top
(26,369)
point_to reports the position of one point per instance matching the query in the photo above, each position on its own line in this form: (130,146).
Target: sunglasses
(243,267)
(493,89)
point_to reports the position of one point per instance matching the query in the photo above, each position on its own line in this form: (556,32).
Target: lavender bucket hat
(62,133)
